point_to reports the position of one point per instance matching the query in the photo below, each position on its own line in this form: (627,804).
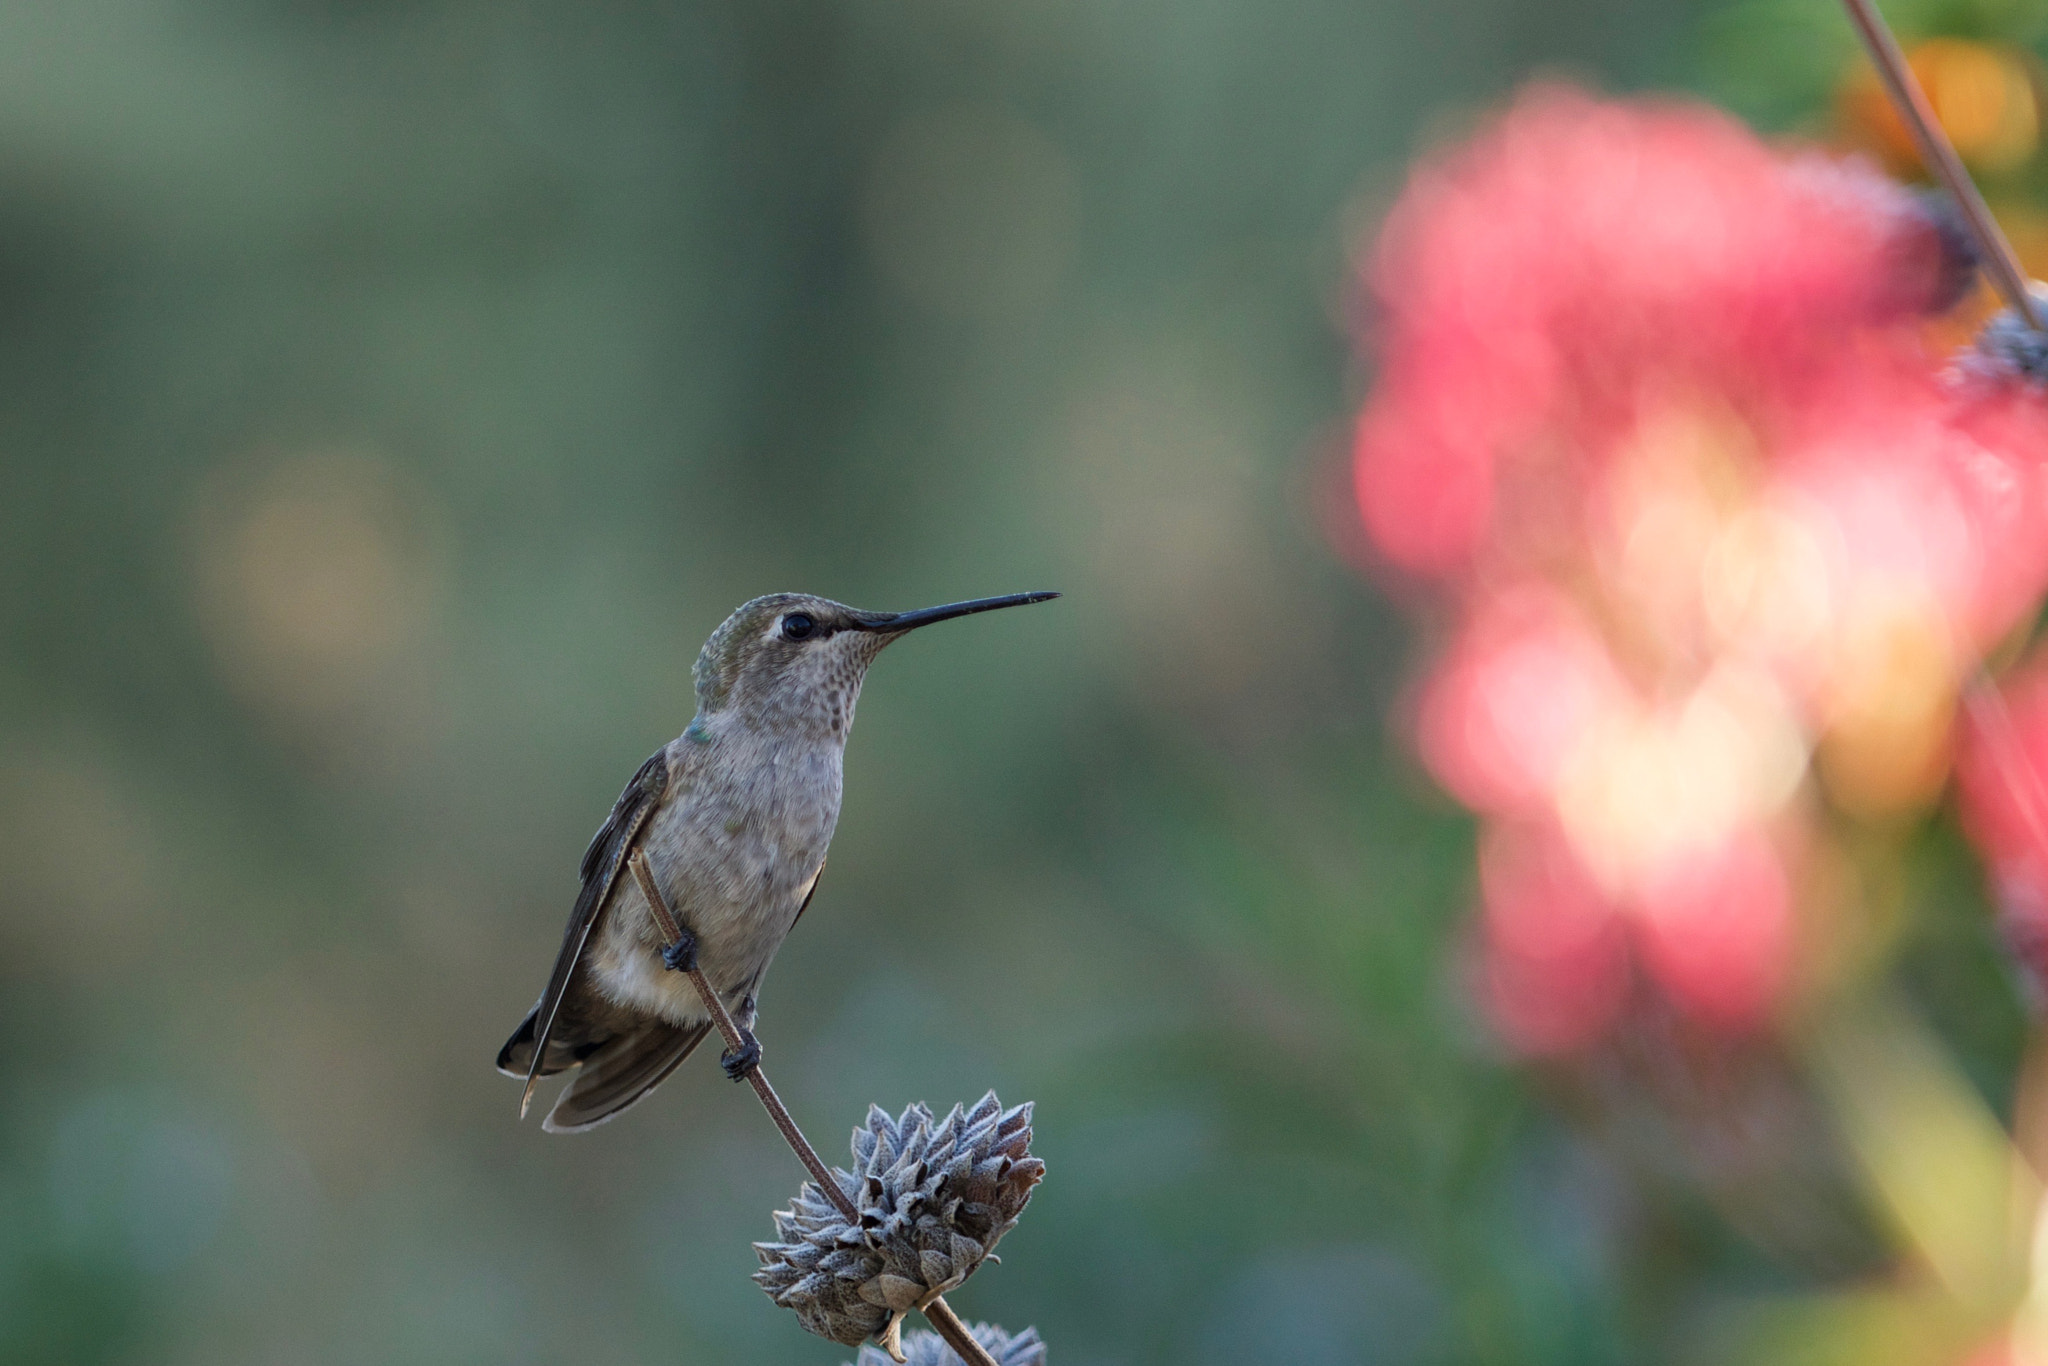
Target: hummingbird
(733,818)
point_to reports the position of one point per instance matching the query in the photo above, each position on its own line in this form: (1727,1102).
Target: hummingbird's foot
(681,956)
(737,1063)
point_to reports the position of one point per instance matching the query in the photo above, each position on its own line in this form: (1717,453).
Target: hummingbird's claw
(681,956)
(746,1059)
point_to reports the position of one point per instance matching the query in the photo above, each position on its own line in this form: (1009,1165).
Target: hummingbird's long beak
(894,623)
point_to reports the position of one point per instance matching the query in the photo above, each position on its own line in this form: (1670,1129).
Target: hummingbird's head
(791,660)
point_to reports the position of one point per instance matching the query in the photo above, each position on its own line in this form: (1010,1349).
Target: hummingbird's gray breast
(736,849)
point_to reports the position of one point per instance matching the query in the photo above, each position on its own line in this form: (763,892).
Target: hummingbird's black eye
(796,626)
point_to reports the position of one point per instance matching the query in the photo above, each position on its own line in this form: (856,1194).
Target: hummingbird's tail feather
(615,1077)
(515,1059)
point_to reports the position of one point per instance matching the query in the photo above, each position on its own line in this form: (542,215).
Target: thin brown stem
(2001,262)
(728,1027)
(937,1311)
(947,1323)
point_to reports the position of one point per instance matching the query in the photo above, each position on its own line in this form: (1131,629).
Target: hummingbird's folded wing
(620,1074)
(601,864)
(809,892)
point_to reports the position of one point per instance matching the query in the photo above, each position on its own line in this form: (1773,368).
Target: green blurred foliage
(1777,63)
(391,399)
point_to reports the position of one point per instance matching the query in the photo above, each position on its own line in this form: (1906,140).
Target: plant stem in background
(936,1311)
(941,1317)
(2000,261)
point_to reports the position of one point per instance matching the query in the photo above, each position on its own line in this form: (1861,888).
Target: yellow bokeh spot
(1766,583)
(1891,704)
(1983,95)
(1646,789)
(1664,504)
(316,573)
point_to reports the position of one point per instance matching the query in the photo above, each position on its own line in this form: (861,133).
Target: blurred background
(393,397)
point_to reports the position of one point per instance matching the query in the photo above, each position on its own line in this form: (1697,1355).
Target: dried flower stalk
(934,1197)
(935,1309)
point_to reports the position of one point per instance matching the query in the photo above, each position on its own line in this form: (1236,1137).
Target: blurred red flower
(2001,773)
(1656,414)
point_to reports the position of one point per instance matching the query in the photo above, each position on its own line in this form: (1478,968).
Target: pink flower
(1655,416)
(1531,282)
(2001,776)
(1716,932)
(1553,964)
(1513,698)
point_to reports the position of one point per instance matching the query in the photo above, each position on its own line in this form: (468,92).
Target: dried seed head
(929,1349)
(2008,349)
(934,1198)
